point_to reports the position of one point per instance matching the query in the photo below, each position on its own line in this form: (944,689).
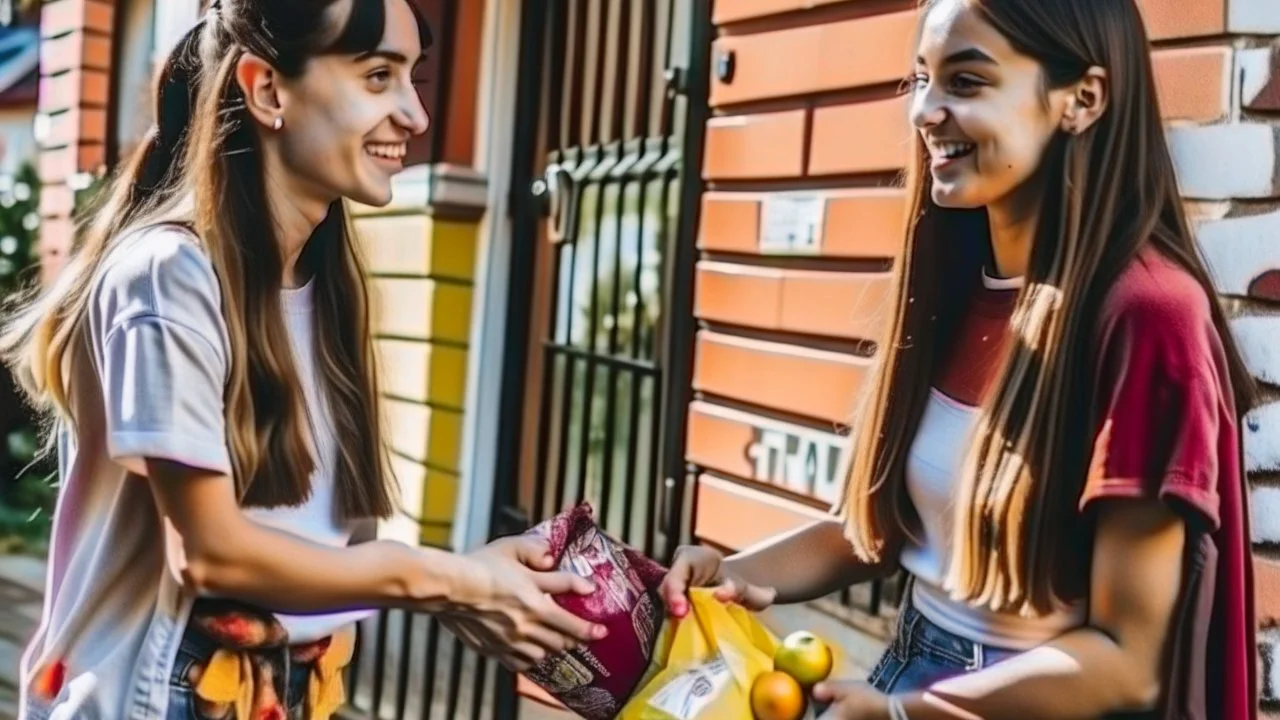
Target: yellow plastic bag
(704,665)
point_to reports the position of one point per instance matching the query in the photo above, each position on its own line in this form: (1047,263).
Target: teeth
(951,150)
(391,151)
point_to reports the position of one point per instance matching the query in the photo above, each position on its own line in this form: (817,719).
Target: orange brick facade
(804,107)
(75,82)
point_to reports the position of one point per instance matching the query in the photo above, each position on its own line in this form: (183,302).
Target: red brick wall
(809,112)
(75,66)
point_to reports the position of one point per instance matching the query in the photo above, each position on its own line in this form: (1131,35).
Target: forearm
(1083,674)
(286,573)
(804,565)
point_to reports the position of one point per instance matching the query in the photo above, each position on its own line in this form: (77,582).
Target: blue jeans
(922,653)
(194,653)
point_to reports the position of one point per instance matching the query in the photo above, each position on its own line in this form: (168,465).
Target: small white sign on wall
(791,223)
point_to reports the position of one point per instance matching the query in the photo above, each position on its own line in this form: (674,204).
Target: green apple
(805,657)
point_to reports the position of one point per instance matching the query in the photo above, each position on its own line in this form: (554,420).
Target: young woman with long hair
(208,362)
(1051,450)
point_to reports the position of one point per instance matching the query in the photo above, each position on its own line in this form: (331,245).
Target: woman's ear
(259,82)
(1089,99)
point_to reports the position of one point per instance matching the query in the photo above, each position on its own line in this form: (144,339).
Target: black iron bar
(429,669)
(455,678)
(402,679)
(622,363)
(556,49)
(577,72)
(477,693)
(678,365)
(593,304)
(379,665)
(622,59)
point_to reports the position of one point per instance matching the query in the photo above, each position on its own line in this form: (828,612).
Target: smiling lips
(946,152)
(393,152)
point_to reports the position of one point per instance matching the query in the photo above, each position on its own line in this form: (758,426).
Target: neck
(1013,224)
(296,214)
(1013,221)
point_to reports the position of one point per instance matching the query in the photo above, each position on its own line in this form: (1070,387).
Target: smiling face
(981,108)
(348,118)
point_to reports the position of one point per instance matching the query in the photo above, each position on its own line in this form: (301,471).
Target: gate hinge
(677,81)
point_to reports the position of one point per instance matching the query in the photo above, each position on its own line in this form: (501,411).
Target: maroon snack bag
(596,679)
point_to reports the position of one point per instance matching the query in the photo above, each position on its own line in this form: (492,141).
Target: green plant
(27,492)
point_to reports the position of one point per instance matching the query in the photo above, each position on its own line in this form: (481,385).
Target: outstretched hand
(696,566)
(851,700)
(506,611)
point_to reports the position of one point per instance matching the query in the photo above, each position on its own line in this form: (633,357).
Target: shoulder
(1158,315)
(157,271)
(1155,293)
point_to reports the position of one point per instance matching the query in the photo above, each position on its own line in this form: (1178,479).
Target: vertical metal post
(525,217)
(526,213)
(680,278)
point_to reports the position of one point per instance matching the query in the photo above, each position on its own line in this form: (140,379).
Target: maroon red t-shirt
(1167,429)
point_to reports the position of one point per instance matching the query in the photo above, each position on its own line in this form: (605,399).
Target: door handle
(560,194)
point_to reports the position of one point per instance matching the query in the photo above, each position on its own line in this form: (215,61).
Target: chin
(956,196)
(372,196)
(955,199)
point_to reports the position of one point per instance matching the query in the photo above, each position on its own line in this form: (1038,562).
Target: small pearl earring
(277,123)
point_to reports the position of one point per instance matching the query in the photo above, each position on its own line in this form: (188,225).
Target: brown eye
(965,84)
(379,79)
(914,82)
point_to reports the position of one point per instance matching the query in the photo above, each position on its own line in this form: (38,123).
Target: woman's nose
(413,115)
(926,109)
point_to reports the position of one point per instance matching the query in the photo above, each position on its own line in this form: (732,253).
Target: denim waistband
(917,634)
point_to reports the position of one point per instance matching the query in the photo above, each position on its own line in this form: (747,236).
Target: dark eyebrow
(390,56)
(962,56)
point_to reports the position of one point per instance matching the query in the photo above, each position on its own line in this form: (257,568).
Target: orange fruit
(776,695)
(805,657)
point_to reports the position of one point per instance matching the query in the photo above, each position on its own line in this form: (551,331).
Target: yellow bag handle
(714,627)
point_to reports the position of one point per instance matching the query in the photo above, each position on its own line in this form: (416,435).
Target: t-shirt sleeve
(158,333)
(1160,400)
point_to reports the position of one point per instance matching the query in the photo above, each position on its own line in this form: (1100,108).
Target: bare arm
(1110,665)
(217,550)
(805,564)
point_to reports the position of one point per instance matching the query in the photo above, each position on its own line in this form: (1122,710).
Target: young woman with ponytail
(207,364)
(1051,449)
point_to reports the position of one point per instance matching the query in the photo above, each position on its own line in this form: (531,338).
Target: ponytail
(35,343)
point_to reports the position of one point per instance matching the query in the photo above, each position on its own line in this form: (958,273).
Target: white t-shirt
(149,383)
(935,463)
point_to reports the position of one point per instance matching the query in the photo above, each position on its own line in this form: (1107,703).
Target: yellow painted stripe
(417,370)
(422,309)
(424,434)
(418,245)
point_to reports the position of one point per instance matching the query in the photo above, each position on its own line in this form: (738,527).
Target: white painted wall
(18,138)
(496,117)
(172,20)
(133,110)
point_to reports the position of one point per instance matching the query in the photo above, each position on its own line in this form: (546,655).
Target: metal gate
(604,214)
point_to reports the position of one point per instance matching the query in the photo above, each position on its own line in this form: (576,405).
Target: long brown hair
(1109,191)
(268,430)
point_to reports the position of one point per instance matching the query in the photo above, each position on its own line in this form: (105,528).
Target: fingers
(522,656)
(675,586)
(559,583)
(832,691)
(751,597)
(756,598)
(532,552)
(729,591)
(559,620)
